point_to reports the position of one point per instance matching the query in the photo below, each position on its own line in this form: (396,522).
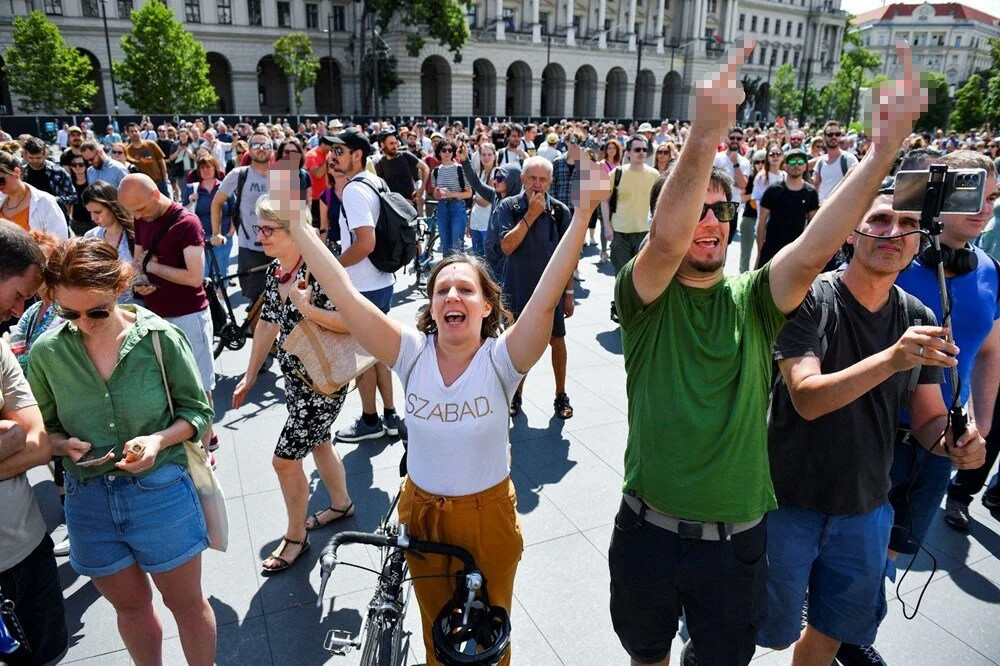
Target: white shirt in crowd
(723,161)
(361,208)
(549,152)
(831,174)
(44,213)
(458,434)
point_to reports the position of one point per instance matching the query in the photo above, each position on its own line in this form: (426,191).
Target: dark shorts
(33,586)
(919,482)
(382,298)
(720,586)
(252,285)
(558,321)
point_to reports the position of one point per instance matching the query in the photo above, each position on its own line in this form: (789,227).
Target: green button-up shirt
(76,401)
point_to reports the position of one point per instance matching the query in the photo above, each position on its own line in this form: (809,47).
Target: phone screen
(92,459)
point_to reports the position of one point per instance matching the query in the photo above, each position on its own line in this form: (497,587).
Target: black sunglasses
(775,154)
(266,232)
(447,150)
(725,211)
(735,137)
(78,164)
(640,149)
(833,134)
(95,313)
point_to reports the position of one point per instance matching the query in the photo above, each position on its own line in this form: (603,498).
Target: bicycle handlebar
(328,558)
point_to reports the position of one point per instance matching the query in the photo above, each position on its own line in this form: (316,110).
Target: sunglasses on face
(498,178)
(78,164)
(266,232)
(260,145)
(774,154)
(725,211)
(117,152)
(833,134)
(94,314)
(640,150)
(796,161)
(447,150)
(663,152)
(735,138)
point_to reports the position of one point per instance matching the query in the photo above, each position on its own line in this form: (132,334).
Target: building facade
(949,38)
(538,58)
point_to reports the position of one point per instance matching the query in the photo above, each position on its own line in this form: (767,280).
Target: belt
(688,529)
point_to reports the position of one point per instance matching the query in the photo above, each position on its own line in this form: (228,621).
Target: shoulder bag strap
(163,373)
(913,313)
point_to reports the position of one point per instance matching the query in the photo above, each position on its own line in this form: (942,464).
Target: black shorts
(720,586)
(558,321)
(252,285)
(33,586)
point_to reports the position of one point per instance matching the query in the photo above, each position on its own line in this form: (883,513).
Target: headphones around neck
(959,262)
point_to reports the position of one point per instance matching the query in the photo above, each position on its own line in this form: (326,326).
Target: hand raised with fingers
(591,184)
(896,105)
(717,97)
(284,193)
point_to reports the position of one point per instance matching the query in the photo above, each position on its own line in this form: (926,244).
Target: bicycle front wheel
(377,649)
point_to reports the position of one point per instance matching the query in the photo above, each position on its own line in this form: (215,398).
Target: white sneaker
(62,548)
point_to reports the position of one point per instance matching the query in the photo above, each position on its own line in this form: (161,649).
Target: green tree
(45,73)
(939,102)
(294,55)
(970,110)
(784,92)
(165,70)
(993,100)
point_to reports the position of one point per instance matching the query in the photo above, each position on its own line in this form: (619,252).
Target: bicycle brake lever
(324,579)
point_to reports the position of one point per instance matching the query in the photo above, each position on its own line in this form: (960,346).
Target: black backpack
(395,229)
(613,200)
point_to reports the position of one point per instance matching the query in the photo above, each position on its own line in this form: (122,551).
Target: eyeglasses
(640,150)
(447,150)
(261,145)
(95,313)
(725,211)
(266,232)
(833,134)
(775,154)
(796,161)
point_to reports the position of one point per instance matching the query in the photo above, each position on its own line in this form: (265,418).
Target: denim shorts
(114,521)
(840,560)
(919,482)
(382,298)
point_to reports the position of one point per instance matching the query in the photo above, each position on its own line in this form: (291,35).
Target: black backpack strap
(613,200)
(913,310)
(996,265)
(461,177)
(843,164)
(826,300)
(241,180)
(155,245)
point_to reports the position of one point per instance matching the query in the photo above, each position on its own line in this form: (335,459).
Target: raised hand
(284,193)
(717,97)
(896,105)
(591,183)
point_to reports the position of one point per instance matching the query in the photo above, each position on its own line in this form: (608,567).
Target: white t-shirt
(831,174)
(458,434)
(255,185)
(723,162)
(361,208)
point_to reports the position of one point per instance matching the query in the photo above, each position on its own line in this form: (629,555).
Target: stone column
(536,96)
(659,26)
(498,16)
(500,103)
(461,93)
(602,16)
(632,37)
(536,28)
(570,30)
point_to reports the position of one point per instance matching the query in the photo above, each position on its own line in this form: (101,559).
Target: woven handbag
(331,359)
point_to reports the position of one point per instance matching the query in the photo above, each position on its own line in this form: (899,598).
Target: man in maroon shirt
(169,251)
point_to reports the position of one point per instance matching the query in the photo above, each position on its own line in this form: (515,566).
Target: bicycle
(231,334)
(427,231)
(463,626)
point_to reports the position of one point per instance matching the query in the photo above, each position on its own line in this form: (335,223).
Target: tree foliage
(443,20)
(294,55)
(970,110)
(993,100)
(784,92)
(939,102)
(45,73)
(165,70)
(840,99)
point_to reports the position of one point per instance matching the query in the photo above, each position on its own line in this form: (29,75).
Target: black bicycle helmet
(482,640)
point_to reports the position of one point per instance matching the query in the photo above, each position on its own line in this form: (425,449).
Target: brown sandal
(317,523)
(282,562)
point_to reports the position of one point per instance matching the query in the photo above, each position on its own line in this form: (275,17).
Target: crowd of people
(789,423)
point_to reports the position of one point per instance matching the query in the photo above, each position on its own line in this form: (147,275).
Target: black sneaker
(859,655)
(956,515)
(614,312)
(991,500)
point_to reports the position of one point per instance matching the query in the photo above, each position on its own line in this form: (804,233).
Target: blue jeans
(840,560)
(451,219)
(479,242)
(919,481)
(221,253)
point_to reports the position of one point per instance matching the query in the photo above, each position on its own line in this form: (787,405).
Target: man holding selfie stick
(697,350)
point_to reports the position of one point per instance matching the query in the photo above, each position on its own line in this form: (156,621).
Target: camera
(964,191)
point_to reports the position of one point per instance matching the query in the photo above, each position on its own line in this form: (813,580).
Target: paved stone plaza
(568,478)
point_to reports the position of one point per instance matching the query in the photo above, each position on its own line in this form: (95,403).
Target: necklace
(7,203)
(284,277)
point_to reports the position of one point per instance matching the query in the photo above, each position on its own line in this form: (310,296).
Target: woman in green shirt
(101,392)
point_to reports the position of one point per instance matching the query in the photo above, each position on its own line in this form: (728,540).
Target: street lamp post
(638,71)
(107,43)
(767,97)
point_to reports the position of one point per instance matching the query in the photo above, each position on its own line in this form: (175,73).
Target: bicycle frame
(233,335)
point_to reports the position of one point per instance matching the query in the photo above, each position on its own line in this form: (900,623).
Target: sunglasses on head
(725,211)
(94,313)
(266,232)
(796,161)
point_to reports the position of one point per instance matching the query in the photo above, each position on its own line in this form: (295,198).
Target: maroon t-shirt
(171,299)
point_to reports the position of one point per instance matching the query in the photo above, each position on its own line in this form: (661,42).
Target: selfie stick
(933,203)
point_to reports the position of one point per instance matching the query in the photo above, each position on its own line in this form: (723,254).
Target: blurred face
(536,179)
(707,253)
(88,303)
(16,289)
(101,214)
(487,154)
(458,306)
(960,229)
(886,256)
(35,161)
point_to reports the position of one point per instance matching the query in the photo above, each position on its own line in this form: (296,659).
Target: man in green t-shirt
(690,533)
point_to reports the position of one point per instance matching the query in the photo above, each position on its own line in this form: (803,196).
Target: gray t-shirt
(21,523)
(254,186)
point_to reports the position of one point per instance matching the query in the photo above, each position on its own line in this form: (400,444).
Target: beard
(705,266)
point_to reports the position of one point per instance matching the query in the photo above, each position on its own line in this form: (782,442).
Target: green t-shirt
(698,365)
